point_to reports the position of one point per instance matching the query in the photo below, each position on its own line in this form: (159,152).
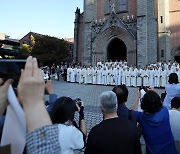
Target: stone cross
(113,8)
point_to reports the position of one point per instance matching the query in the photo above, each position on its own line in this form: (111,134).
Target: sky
(48,17)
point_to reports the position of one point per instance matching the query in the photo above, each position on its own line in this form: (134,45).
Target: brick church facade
(138,31)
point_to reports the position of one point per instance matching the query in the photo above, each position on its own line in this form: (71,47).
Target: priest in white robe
(139,77)
(145,75)
(152,77)
(94,75)
(157,77)
(163,77)
(72,74)
(89,75)
(85,75)
(133,77)
(99,73)
(128,81)
(69,74)
(123,76)
(108,76)
(81,75)
(104,76)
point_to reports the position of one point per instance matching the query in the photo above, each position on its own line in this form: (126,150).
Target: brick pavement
(90,95)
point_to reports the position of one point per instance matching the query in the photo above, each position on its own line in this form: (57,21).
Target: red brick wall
(132,9)
(174,22)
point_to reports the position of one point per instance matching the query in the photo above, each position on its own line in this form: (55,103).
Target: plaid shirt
(43,140)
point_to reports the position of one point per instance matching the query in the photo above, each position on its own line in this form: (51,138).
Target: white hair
(108,101)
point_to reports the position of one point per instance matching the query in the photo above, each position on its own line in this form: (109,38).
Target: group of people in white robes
(117,73)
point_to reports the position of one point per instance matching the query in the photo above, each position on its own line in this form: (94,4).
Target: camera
(78,102)
(11,69)
(145,88)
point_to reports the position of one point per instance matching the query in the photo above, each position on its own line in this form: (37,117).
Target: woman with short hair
(71,137)
(155,124)
(172,90)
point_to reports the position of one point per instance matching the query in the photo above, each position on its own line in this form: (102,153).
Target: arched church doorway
(116,50)
(177,56)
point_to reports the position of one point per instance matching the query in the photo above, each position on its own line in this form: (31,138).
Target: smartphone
(11,69)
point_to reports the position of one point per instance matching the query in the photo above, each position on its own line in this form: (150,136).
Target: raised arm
(30,92)
(136,102)
(3,95)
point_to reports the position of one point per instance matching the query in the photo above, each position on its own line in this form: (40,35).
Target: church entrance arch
(176,54)
(116,50)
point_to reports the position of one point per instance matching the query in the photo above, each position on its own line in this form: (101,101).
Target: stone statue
(113,8)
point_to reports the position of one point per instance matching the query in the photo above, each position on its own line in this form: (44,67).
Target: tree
(25,49)
(49,50)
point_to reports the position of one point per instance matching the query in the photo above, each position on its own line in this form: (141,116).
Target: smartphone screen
(11,69)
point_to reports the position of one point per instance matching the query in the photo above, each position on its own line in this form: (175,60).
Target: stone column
(89,16)
(163,30)
(146,32)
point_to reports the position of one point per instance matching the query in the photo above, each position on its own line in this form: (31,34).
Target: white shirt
(174,117)
(70,139)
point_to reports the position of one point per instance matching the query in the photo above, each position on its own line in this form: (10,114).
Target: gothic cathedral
(138,31)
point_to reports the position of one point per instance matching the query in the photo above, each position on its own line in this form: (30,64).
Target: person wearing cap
(114,134)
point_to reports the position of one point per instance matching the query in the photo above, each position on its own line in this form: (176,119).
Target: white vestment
(72,75)
(69,74)
(157,78)
(81,76)
(163,76)
(151,78)
(94,76)
(139,77)
(108,77)
(128,82)
(123,76)
(145,74)
(89,75)
(84,75)
(99,76)
(104,77)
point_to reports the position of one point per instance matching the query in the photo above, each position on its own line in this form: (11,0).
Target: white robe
(80,76)
(118,77)
(128,81)
(123,76)
(69,74)
(133,78)
(104,77)
(84,75)
(157,78)
(72,75)
(94,76)
(99,71)
(139,77)
(112,77)
(163,76)
(89,75)
(145,74)
(108,77)
(151,78)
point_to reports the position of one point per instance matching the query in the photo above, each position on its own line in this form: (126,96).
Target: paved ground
(90,95)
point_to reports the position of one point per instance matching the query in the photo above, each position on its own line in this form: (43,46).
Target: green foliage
(50,50)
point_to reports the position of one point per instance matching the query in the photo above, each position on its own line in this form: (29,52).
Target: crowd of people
(52,129)
(117,73)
